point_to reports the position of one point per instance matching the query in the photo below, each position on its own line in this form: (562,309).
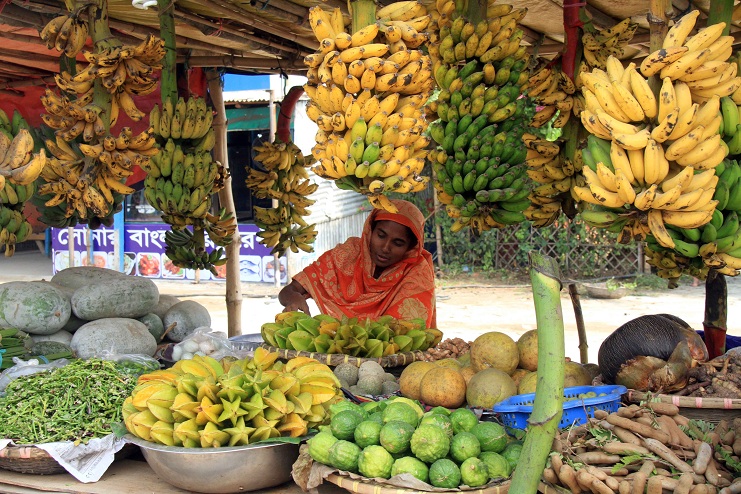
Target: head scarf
(341,281)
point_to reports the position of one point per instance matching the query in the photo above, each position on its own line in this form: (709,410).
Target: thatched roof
(259,36)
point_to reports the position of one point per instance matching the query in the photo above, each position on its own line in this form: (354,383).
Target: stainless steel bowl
(220,470)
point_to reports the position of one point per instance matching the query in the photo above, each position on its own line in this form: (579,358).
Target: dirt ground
(468,310)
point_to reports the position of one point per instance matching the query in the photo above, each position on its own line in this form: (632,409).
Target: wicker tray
(708,409)
(335,359)
(33,460)
(29,459)
(370,487)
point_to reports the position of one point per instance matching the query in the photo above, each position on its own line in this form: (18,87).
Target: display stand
(123,477)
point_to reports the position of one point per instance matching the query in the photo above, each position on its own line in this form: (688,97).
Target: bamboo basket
(29,459)
(369,487)
(33,460)
(708,409)
(335,359)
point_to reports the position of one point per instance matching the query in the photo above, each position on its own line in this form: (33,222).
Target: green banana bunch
(730,129)
(479,158)
(186,249)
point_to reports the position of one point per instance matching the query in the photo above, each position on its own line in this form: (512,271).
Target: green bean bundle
(76,402)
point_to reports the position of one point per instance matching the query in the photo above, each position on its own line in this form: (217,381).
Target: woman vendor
(385,271)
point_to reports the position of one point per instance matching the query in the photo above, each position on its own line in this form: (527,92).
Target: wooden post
(580,329)
(226,200)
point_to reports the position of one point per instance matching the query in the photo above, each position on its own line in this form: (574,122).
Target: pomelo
(443,386)
(411,377)
(488,387)
(494,349)
(527,346)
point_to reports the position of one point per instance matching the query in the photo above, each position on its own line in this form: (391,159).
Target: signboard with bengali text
(144,253)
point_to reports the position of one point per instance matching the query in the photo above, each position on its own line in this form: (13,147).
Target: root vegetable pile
(649,448)
(448,348)
(719,378)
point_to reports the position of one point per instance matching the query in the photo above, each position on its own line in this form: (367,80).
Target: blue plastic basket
(515,410)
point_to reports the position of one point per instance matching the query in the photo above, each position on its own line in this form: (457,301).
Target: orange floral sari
(341,280)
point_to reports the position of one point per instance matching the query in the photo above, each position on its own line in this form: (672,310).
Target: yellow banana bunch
(653,159)
(65,33)
(286,180)
(670,266)
(700,61)
(71,119)
(554,91)
(599,45)
(367,93)
(186,119)
(554,176)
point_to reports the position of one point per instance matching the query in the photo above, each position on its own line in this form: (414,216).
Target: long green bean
(76,402)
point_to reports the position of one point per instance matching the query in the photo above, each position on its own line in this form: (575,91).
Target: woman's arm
(293,297)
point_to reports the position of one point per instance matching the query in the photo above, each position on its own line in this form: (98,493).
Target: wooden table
(122,477)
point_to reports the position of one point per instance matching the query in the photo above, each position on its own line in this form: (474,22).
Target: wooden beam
(258,64)
(228,32)
(233,12)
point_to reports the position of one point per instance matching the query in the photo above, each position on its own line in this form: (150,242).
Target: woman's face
(389,242)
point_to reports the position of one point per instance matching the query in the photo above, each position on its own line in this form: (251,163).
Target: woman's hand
(293,297)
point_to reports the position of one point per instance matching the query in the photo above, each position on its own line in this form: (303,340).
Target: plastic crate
(515,410)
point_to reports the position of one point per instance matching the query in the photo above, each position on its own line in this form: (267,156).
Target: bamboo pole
(548,404)
(658,16)
(226,200)
(275,64)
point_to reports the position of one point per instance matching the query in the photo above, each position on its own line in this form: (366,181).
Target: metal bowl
(220,470)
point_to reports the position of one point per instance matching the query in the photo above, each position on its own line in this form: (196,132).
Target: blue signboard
(144,253)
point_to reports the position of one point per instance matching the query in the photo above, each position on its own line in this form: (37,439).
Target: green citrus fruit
(396,436)
(344,423)
(397,410)
(440,410)
(375,461)
(430,443)
(442,421)
(496,464)
(343,455)
(491,435)
(445,473)
(474,472)
(411,465)
(512,454)
(376,417)
(464,445)
(463,419)
(367,433)
(319,446)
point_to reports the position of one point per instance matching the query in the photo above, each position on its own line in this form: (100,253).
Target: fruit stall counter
(123,477)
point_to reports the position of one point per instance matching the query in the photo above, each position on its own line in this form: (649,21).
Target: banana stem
(721,11)
(476,11)
(548,404)
(168,76)
(102,38)
(363,14)
(571,24)
(657,23)
(716,312)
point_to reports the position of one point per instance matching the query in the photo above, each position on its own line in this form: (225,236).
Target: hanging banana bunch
(600,44)
(19,168)
(554,168)
(85,179)
(181,181)
(287,181)
(481,69)
(66,33)
(700,61)
(367,92)
(651,162)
